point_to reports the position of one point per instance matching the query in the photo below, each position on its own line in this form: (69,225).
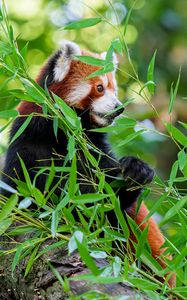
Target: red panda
(95,101)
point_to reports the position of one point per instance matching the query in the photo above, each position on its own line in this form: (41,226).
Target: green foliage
(83,23)
(174,93)
(92,60)
(8,207)
(150,74)
(53,217)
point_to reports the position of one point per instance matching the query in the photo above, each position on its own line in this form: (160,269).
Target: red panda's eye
(100,88)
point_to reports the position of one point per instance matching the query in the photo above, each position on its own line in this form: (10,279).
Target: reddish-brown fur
(25,108)
(77,74)
(110,81)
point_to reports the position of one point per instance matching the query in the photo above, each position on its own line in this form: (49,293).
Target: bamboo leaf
(38,196)
(57,274)
(155,206)
(83,23)
(63,202)
(98,254)
(55,126)
(117,264)
(21,128)
(100,280)
(141,242)
(4,225)
(183,220)
(175,209)
(50,177)
(127,17)
(92,60)
(72,244)
(71,147)
(89,198)
(25,172)
(24,50)
(31,260)
(54,223)
(121,219)
(44,214)
(5,48)
(67,111)
(8,207)
(130,138)
(50,247)
(25,203)
(86,258)
(5,114)
(21,230)
(72,178)
(115,234)
(182,159)
(7,187)
(149,84)
(183,124)
(6,125)
(117,45)
(17,257)
(20,94)
(106,69)
(173,93)
(143,283)
(150,74)
(34,91)
(109,54)
(177,134)
(173,173)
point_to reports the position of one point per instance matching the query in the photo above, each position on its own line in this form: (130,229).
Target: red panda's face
(66,77)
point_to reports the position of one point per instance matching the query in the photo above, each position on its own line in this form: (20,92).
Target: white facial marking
(106,103)
(104,80)
(78,92)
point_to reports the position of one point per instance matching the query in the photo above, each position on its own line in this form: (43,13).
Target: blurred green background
(154,24)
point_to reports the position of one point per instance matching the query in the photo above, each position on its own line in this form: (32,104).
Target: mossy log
(42,284)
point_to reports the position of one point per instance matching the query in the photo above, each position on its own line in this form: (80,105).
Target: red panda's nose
(118,111)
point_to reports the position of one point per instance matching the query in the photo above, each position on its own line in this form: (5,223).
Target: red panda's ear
(114,59)
(58,65)
(62,65)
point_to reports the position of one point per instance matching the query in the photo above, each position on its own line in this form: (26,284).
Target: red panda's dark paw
(135,171)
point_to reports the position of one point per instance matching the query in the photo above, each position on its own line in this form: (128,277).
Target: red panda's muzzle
(103,119)
(111,115)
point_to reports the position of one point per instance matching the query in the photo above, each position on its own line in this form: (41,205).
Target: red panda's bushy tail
(154,237)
